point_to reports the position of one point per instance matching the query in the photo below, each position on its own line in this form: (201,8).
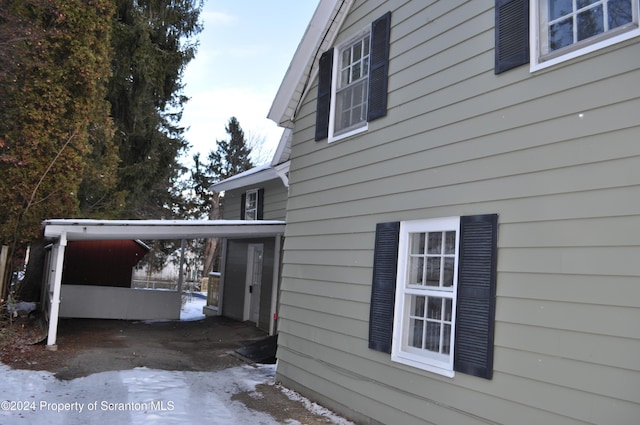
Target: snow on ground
(192,308)
(138,396)
(141,395)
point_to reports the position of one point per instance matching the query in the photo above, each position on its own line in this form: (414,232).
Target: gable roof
(319,36)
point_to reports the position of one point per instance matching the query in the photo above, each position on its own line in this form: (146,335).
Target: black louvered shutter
(512,34)
(475,311)
(383,287)
(379,67)
(260,213)
(323,107)
(243,204)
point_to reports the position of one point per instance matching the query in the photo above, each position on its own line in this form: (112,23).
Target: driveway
(88,347)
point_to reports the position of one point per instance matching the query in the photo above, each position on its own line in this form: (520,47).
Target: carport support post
(55,298)
(181,269)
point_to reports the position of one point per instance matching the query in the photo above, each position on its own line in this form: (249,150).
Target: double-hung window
(433,293)
(568,28)
(251,204)
(351,87)
(426,294)
(548,32)
(352,83)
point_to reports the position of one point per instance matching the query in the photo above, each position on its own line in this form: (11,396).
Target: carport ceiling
(82,229)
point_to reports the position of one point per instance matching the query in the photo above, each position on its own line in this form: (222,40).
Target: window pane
(435,243)
(434,308)
(357,52)
(559,8)
(433,271)
(417,305)
(251,200)
(344,78)
(447,309)
(366,43)
(416,330)
(417,243)
(346,57)
(432,342)
(585,3)
(250,215)
(619,13)
(450,243)
(447,278)
(561,34)
(446,339)
(590,23)
(416,270)
(355,72)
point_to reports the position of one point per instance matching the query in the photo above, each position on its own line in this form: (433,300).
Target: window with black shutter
(433,293)
(358,88)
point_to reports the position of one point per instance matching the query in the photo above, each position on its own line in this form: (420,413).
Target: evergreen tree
(152,45)
(53,115)
(230,158)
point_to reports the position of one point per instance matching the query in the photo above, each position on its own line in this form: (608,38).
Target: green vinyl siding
(555,154)
(275,201)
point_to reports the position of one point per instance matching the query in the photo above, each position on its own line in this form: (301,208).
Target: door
(253,282)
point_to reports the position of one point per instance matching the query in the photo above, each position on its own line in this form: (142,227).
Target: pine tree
(230,158)
(152,43)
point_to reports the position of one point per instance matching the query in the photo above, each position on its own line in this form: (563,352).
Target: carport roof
(84,229)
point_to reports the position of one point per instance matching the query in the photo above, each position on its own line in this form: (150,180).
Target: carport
(60,231)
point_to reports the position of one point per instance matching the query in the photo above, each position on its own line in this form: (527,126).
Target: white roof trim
(319,36)
(84,229)
(252,177)
(283,151)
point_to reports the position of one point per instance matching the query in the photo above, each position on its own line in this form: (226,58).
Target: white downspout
(55,297)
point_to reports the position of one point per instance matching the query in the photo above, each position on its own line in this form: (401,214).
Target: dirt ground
(87,346)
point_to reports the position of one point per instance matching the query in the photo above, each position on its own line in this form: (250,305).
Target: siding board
(554,153)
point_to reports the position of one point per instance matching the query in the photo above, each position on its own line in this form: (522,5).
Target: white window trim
(246,202)
(400,319)
(538,63)
(335,74)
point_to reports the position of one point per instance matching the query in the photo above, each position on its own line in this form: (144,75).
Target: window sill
(399,358)
(349,133)
(537,65)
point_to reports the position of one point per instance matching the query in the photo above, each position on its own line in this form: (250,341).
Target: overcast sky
(245,49)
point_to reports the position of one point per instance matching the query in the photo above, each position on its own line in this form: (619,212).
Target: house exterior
(463,219)
(250,267)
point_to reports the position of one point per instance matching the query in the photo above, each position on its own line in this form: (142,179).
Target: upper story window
(548,32)
(352,83)
(564,29)
(352,86)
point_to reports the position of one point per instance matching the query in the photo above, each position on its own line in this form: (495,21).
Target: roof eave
(318,37)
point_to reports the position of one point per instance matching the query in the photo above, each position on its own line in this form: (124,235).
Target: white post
(181,269)
(223,261)
(275,285)
(4,254)
(58,262)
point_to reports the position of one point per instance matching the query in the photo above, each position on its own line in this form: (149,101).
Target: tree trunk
(212,249)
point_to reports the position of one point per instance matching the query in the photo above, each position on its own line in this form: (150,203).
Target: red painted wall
(104,263)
